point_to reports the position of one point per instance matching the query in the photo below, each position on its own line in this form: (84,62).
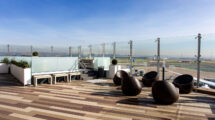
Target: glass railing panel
(102,61)
(54,64)
(44,51)
(207,65)
(122,54)
(144,52)
(3,50)
(85,51)
(97,50)
(60,51)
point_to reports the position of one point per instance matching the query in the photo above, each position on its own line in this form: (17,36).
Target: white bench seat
(73,74)
(65,75)
(36,77)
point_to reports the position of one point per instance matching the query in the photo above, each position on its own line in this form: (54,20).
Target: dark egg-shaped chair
(149,78)
(130,85)
(164,92)
(118,77)
(184,83)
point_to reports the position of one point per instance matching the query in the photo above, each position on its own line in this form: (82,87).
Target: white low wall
(3,68)
(23,75)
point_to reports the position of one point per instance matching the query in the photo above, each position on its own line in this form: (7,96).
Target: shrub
(5,60)
(13,62)
(22,64)
(35,53)
(114,61)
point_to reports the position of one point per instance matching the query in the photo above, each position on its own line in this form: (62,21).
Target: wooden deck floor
(86,100)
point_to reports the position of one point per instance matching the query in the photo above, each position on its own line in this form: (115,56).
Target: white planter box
(113,69)
(4,68)
(23,75)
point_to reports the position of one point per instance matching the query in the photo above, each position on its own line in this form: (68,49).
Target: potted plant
(114,62)
(35,53)
(113,68)
(22,71)
(4,66)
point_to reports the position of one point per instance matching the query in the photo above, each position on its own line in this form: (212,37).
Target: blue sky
(75,22)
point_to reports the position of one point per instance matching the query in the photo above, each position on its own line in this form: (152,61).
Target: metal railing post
(90,51)
(52,50)
(31,47)
(8,49)
(158,55)
(130,56)
(114,50)
(79,52)
(103,50)
(70,51)
(198,58)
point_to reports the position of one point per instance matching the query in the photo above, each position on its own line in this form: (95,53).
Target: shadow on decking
(198,99)
(148,102)
(8,80)
(109,93)
(105,84)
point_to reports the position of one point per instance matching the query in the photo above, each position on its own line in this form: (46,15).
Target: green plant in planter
(114,62)
(13,62)
(35,53)
(5,60)
(22,64)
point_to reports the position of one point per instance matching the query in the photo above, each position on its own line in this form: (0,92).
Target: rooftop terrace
(98,99)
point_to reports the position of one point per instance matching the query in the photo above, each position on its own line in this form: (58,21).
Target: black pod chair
(118,77)
(184,83)
(130,85)
(149,78)
(164,92)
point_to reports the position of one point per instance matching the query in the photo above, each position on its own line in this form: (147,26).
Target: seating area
(125,96)
(52,78)
(36,68)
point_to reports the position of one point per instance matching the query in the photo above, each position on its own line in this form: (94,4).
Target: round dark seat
(184,83)
(164,92)
(149,78)
(130,85)
(118,77)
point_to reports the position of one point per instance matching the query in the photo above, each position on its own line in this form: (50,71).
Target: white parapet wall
(23,75)
(113,69)
(3,68)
